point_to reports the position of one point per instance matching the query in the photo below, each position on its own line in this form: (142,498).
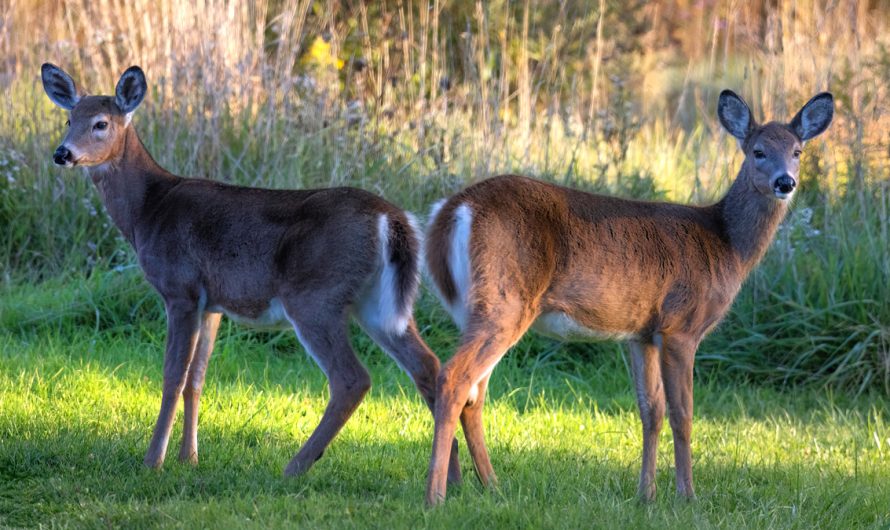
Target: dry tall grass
(470,87)
(413,99)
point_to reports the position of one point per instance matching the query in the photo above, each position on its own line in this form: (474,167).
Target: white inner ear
(127,117)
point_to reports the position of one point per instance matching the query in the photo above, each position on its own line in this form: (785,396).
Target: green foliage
(815,311)
(414,104)
(78,402)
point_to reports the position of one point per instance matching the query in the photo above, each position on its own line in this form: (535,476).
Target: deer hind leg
(183,324)
(191,394)
(678,354)
(471,420)
(471,365)
(645,361)
(326,340)
(414,357)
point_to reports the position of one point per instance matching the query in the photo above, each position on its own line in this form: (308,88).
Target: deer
(307,260)
(510,253)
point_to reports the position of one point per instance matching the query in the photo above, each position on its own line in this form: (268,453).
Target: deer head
(772,151)
(97,125)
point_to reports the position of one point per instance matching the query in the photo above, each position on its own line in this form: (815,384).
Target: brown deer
(305,259)
(512,253)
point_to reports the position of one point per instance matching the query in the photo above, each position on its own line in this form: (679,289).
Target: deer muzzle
(784,185)
(62,156)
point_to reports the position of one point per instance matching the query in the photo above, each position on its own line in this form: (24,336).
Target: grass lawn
(78,401)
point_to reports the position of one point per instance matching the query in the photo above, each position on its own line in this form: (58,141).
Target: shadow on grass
(72,470)
(536,374)
(74,477)
(115,320)
(119,309)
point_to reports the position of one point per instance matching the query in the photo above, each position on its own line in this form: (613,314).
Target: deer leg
(471,420)
(191,394)
(650,399)
(348,382)
(678,354)
(415,358)
(183,324)
(473,361)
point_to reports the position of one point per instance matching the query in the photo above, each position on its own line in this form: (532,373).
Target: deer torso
(594,266)
(238,248)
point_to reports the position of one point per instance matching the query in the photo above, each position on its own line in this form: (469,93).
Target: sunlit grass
(78,404)
(790,426)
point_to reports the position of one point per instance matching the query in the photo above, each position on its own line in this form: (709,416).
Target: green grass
(631,115)
(79,394)
(792,388)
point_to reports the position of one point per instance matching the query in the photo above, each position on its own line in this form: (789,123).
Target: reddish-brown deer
(307,260)
(512,253)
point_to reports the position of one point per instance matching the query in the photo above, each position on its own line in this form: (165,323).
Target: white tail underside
(379,305)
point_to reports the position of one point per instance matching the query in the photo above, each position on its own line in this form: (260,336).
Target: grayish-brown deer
(511,253)
(306,259)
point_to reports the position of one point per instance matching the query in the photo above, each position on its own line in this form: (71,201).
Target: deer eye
(100,125)
(758,154)
(796,153)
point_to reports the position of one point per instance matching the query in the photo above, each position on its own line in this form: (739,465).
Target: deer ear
(59,86)
(734,114)
(130,90)
(814,117)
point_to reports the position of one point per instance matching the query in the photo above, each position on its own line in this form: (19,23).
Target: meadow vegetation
(414,100)
(79,389)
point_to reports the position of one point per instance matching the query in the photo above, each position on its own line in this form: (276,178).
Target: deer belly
(273,317)
(559,325)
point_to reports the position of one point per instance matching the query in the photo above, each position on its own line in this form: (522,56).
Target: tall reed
(415,99)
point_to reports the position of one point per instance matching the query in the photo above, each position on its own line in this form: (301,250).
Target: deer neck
(750,220)
(126,183)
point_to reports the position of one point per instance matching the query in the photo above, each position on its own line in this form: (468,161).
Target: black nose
(785,184)
(62,155)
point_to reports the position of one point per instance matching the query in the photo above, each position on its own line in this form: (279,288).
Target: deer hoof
(153,462)
(188,457)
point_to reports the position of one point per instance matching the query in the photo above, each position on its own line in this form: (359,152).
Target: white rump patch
(459,264)
(416,232)
(430,219)
(434,211)
(559,325)
(379,305)
(458,261)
